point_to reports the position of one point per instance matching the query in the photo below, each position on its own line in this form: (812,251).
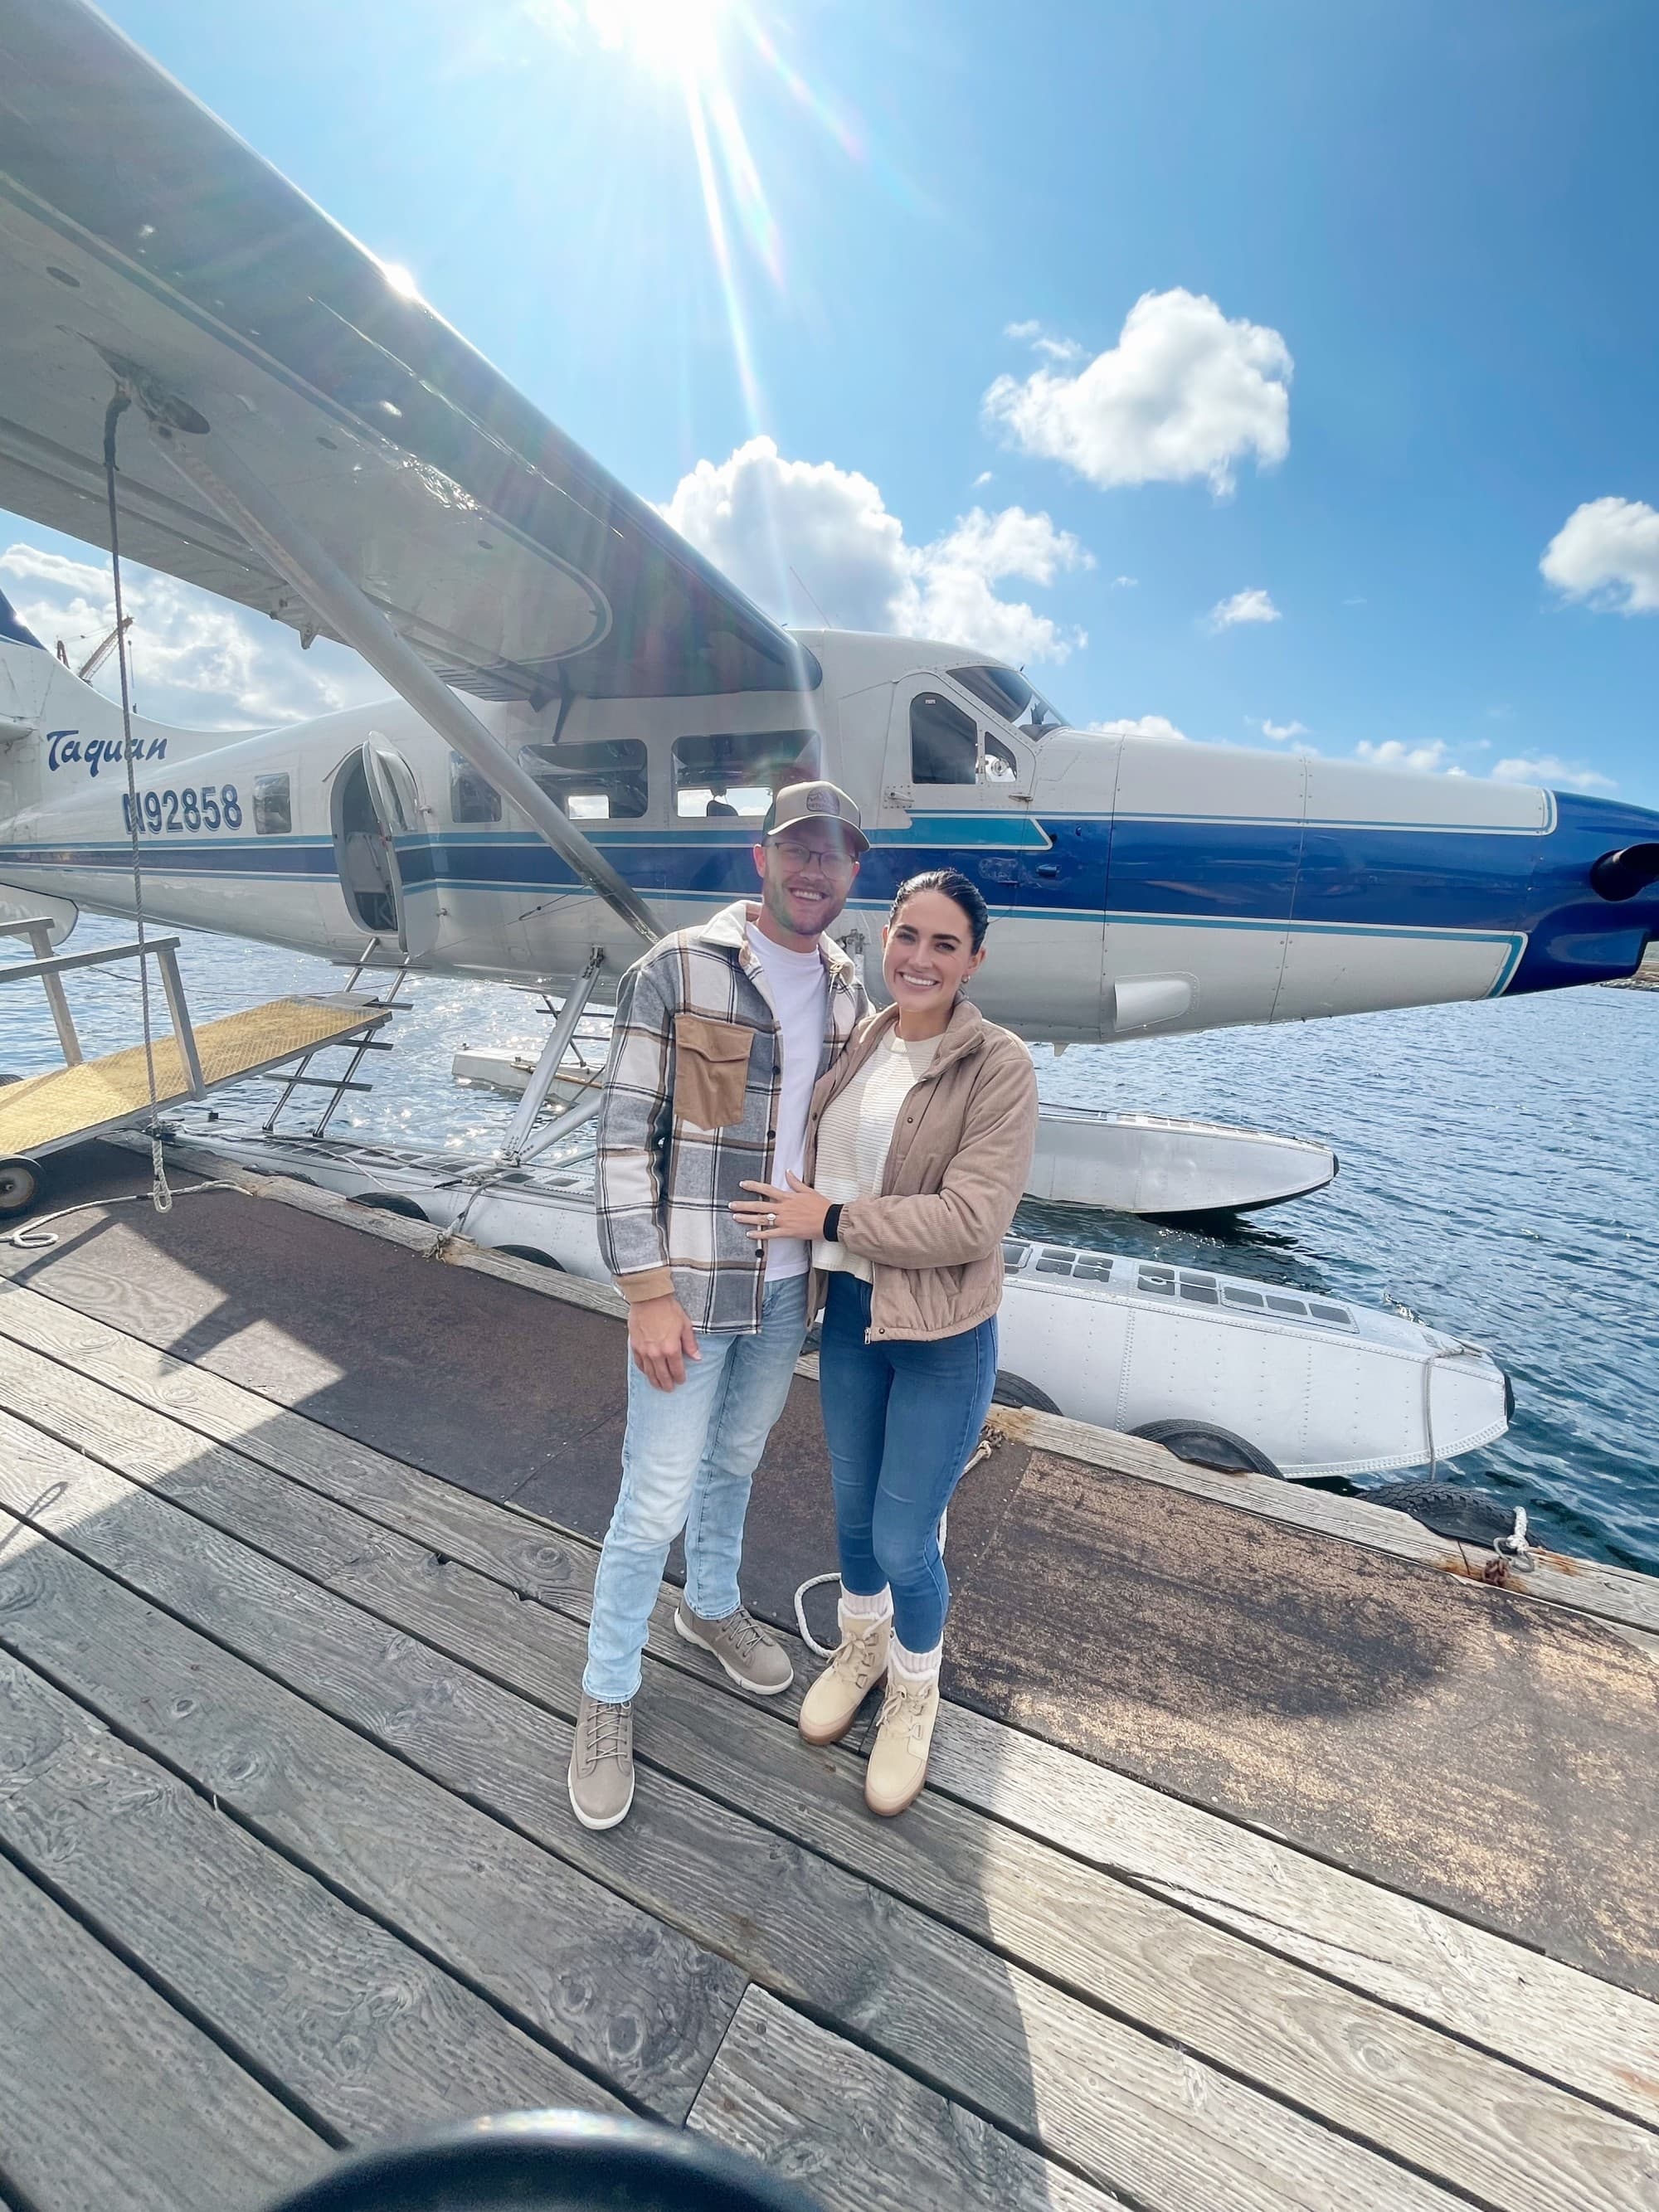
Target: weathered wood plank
(1613,1593)
(201,1409)
(1556,2019)
(1131,2113)
(860,2136)
(1589,2035)
(606,1984)
(1495,1759)
(362,2030)
(110,2100)
(1398,2084)
(1511,2001)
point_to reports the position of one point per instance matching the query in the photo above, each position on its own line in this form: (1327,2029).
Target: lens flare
(677,38)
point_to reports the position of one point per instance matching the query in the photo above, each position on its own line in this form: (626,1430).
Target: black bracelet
(830,1231)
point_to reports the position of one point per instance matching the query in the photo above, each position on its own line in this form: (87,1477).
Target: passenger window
(273,812)
(944,742)
(471,799)
(603,781)
(735,777)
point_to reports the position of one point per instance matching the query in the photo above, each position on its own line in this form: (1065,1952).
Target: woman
(918,1148)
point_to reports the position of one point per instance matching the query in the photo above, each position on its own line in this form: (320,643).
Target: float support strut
(547,1067)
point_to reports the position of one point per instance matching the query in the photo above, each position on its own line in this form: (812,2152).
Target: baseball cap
(814,802)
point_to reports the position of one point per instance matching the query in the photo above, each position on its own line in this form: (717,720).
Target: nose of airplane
(1593,903)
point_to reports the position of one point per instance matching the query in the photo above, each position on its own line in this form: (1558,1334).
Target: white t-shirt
(857,1131)
(798,985)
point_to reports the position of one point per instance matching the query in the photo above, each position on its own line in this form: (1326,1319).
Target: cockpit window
(1005,692)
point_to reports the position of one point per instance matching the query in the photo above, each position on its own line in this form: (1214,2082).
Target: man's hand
(661,1338)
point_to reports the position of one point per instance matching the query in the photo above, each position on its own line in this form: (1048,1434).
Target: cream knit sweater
(855,1133)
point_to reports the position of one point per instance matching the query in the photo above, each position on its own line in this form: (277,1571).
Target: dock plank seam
(146,1747)
(144,2066)
(111,1940)
(1130,1875)
(107,1828)
(224,1800)
(1330,2119)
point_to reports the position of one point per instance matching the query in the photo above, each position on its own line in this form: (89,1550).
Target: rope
(33,1236)
(161,1195)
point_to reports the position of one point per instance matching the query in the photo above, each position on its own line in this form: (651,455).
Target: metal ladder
(338,1086)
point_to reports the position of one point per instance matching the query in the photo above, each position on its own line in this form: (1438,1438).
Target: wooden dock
(1265,1862)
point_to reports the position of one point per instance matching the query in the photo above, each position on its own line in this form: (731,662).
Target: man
(720,1034)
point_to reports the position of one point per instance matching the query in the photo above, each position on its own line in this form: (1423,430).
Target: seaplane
(584,720)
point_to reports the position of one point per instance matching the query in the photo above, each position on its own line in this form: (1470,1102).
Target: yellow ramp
(45,1111)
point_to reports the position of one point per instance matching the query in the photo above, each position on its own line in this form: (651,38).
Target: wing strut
(236,493)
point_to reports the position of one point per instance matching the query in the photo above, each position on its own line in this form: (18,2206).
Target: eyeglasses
(829,858)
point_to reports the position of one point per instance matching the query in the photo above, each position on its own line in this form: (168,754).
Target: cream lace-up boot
(830,1706)
(904,1736)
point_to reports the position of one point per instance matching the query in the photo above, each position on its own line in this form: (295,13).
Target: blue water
(1496,1178)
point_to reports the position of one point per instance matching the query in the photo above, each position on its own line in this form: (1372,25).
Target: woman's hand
(796,1211)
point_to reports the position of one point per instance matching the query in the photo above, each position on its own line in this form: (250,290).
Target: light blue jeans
(689,1459)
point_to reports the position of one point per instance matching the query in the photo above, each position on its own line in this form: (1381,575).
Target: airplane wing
(138,233)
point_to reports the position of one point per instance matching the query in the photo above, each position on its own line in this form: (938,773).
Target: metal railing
(50,967)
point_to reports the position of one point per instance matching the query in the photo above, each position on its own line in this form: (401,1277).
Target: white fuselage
(1136,885)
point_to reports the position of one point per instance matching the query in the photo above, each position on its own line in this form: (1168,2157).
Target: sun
(675,38)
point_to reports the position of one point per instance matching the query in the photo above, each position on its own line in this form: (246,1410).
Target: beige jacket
(955,1169)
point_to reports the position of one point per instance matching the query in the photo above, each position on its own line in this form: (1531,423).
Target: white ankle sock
(878,1607)
(915,1666)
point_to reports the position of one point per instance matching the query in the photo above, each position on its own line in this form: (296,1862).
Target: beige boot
(905,1735)
(830,1706)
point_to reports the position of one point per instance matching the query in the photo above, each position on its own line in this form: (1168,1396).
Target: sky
(1277,375)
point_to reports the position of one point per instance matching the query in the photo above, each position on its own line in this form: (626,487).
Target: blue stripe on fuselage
(1324,876)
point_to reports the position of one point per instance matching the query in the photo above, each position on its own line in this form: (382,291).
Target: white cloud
(1124,583)
(1244,607)
(981,479)
(1184,393)
(196,661)
(1430,759)
(1280,732)
(1144,725)
(1606,551)
(1023,331)
(756,516)
(1547,770)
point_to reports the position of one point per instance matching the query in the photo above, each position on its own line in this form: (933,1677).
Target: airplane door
(402,846)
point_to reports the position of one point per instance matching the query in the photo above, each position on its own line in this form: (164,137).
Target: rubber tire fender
(1203,1443)
(1014,1390)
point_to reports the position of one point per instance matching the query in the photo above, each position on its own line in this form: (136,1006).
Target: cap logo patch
(820,801)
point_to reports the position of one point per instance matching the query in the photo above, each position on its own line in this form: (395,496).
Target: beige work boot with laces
(904,1736)
(830,1706)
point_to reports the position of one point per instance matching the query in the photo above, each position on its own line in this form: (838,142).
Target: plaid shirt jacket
(691,1112)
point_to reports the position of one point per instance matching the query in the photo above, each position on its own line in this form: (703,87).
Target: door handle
(1048,870)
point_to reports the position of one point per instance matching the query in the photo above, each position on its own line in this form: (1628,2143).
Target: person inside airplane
(919,1146)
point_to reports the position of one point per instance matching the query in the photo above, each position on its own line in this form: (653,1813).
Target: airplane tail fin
(13,630)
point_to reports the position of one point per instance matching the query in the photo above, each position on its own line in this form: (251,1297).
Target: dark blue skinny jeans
(900,1420)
